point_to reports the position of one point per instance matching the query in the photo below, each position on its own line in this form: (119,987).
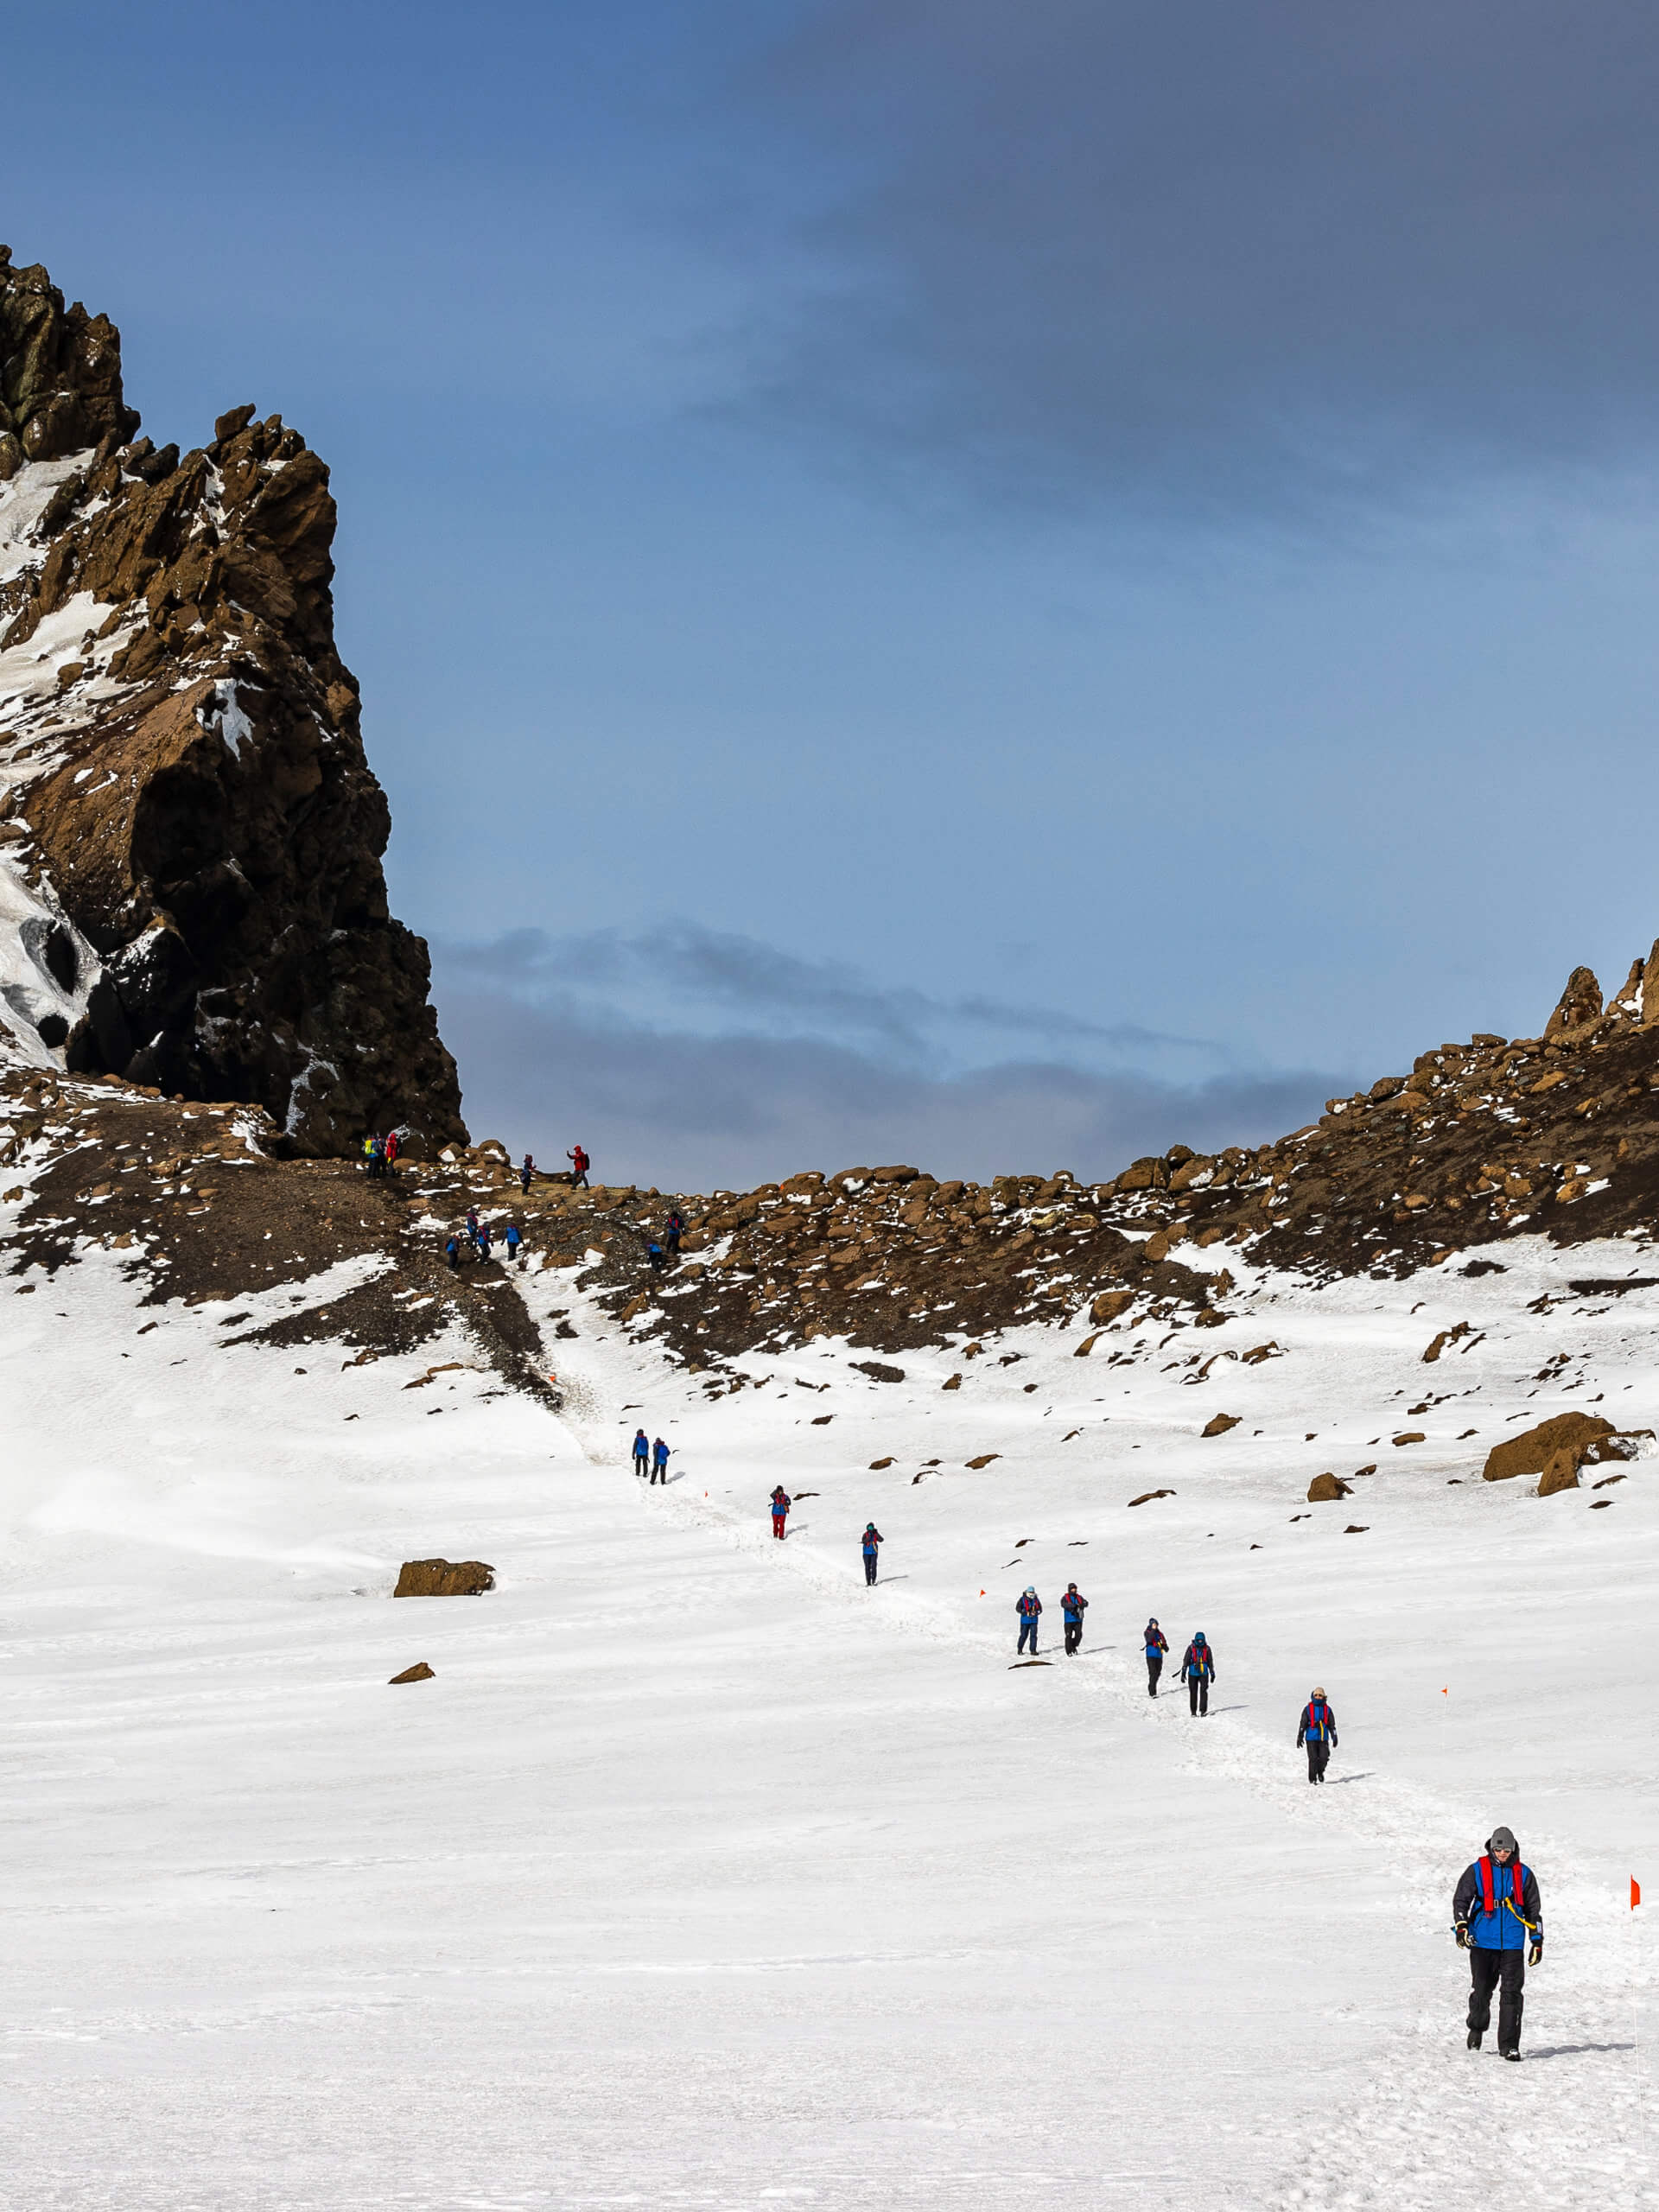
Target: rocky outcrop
(444,1578)
(190,827)
(1556,1449)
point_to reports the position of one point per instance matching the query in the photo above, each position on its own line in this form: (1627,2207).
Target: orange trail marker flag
(1635,1893)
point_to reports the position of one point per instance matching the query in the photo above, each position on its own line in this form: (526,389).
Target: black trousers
(1155,1668)
(1487,1969)
(1318,1758)
(1198,1693)
(659,1472)
(869,1566)
(1073,1635)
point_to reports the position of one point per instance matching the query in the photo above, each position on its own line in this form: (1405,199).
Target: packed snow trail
(703,1875)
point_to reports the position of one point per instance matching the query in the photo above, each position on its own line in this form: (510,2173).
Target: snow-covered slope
(702,1876)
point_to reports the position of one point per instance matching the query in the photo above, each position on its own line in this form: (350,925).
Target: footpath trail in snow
(702,1875)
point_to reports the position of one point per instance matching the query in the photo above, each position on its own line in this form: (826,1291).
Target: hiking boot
(1515,2055)
(1474,2039)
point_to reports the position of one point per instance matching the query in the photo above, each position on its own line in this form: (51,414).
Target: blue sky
(993,585)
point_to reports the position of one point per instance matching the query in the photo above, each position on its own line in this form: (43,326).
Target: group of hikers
(475,1240)
(380,1154)
(1497,1914)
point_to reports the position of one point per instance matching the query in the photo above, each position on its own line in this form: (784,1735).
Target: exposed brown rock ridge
(190,812)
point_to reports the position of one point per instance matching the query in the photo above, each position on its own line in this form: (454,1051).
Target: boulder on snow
(1222,1422)
(1109,1305)
(420,1672)
(1531,1452)
(1561,1473)
(444,1578)
(1325,1490)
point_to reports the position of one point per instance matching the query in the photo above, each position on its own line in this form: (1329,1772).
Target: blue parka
(1517,1915)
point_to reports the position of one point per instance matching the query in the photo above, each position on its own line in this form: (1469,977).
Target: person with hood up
(1074,1608)
(674,1228)
(641,1451)
(779,1511)
(514,1238)
(1498,1918)
(660,1463)
(1157,1644)
(1198,1672)
(525,1173)
(1318,1733)
(868,1543)
(580,1164)
(1029,1609)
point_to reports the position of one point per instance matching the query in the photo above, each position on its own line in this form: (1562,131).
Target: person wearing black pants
(1498,1919)
(1198,1667)
(1157,1643)
(1318,1733)
(870,1542)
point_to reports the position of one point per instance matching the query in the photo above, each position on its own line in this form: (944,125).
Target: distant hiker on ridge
(870,1542)
(1318,1733)
(578,1167)
(1198,1672)
(673,1229)
(1495,1910)
(1074,1608)
(1157,1643)
(524,1174)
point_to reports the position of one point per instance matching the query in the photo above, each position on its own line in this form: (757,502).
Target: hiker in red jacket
(579,1165)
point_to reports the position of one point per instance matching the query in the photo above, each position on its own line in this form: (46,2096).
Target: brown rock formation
(1569,1435)
(1325,1490)
(189,805)
(420,1672)
(444,1578)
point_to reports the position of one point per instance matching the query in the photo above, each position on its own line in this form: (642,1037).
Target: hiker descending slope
(1498,1919)
(1074,1608)
(1029,1609)
(1157,1644)
(868,1543)
(1318,1733)
(1198,1672)
(779,1511)
(641,1451)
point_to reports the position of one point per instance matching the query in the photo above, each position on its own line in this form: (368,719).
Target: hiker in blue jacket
(1157,1644)
(1318,1733)
(1074,1608)
(1498,1918)
(452,1253)
(869,1542)
(524,1174)
(513,1239)
(1030,1611)
(1198,1672)
(641,1451)
(660,1463)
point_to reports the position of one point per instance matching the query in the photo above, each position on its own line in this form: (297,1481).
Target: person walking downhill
(452,1253)
(673,1229)
(779,1511)
(641,1451)
(578,1167)
(1157,1644)
(1029,1609)
(513,1238)
(485,1233)
(524,1174)
(659,1464)
(870,1541)
(1198,1672)
(1496,1909)
(654,1254)
(394,1145)
(472,1225)
(1074,1608)
(1318,1733)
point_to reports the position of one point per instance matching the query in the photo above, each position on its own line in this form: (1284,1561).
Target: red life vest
(1487,1889)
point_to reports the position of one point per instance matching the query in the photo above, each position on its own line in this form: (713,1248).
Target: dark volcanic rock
(191,805)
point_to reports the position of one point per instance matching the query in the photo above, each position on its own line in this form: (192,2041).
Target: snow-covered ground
(702,1876)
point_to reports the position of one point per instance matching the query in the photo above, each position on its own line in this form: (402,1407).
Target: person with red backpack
(1498,1918)
(1318,1733)
(870,1543)
(1198,1672)
(578,1167)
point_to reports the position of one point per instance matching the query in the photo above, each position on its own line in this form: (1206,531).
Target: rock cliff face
(191,893)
